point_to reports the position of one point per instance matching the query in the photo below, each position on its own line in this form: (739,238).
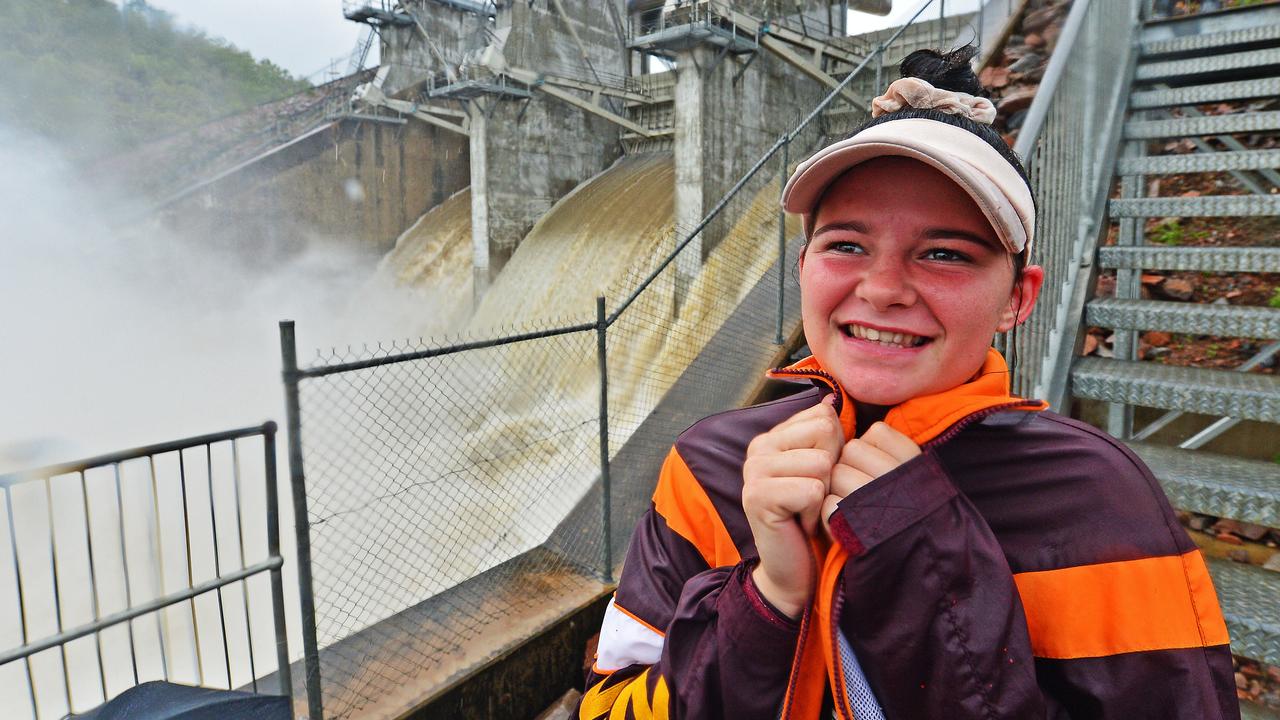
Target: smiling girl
(907,540)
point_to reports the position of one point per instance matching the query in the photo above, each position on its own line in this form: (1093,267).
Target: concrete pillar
(690,162)
(479,200)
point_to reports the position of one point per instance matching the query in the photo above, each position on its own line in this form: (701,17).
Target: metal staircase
(1220,57)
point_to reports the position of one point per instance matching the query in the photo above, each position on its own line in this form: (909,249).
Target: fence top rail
(267,428)
(322,370)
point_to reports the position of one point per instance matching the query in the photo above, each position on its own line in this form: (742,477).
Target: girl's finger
(901,447)
(862,455)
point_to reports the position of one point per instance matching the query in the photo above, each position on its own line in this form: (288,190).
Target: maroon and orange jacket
(1025,565)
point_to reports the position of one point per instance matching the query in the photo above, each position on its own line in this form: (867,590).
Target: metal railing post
(301,521)
(283,672)
(782,240)
(602,327)
(942,25)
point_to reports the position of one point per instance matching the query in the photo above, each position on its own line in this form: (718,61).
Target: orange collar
(924,419)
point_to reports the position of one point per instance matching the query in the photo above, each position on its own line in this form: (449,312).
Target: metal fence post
(301,521)
(602,326)
(782,239)
(283,673)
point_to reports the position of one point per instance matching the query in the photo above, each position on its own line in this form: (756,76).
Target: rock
(1221,301)
(1152,279)
(1240,556)
(1019,99)
(1051,35)
(1035,21)
(1199,522)
(1176,289)
(1273,563)
(1251,531)
(1229,539)
(1026,63)
(1241,682)
(1035,41)
(1158,352)
(994,77)
(1090,345)
(1157,338)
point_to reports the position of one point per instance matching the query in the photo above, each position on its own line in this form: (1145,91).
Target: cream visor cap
(967,159)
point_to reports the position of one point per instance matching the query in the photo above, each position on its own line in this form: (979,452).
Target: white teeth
(884,337)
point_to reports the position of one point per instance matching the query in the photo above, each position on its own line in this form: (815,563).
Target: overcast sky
(306,36)
(303,36)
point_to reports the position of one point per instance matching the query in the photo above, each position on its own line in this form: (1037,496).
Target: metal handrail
(273,564)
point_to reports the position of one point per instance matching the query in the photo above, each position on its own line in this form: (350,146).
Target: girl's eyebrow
(850,225)
(956,233)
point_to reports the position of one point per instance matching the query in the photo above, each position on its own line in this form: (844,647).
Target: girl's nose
(886,284)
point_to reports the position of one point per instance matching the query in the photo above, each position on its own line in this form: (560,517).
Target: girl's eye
(844,246)
(946,255)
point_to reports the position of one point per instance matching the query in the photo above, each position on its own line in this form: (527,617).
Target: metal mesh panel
(425,474)
(1065,150)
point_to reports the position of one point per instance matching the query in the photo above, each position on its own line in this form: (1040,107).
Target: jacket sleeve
(949,630)
(683,638)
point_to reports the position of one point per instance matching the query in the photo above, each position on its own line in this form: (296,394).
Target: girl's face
(904,282)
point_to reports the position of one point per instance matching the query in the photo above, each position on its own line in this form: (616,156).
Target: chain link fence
(460,497)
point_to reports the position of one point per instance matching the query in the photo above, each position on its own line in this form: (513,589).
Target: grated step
(1203,259)
(1185,317)
(1211,206)
(1250,599)
(1200,94)
(1199,162)
(1210,41)
(1208,64)
(1217,485)
(1203,125)
(1223,393)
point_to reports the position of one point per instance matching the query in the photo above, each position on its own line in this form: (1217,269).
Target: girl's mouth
(883,337)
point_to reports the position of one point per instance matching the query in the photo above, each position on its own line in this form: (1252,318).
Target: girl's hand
(786,476)
(879,450)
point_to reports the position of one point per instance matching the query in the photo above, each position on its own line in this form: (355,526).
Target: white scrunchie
(919,94)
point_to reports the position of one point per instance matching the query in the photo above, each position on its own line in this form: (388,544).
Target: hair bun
(948,71)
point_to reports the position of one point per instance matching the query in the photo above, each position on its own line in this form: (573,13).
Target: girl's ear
(1022,298)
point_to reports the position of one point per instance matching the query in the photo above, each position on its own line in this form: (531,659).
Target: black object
(163,700)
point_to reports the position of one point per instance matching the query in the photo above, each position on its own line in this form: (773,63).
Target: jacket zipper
(841,695)
(822,375)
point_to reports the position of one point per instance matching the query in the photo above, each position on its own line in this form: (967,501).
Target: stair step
(1185,317)
(1253,711)
(1200,94)
(1208,64)
(1221,393)
(1217,485)
(1211,41)
(1199,162)
(1202,259)
(1211,206)
(1250,599)
(1204,125)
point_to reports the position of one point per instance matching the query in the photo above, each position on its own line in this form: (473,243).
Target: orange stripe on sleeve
(684,504)
(1158,603)
(637,618)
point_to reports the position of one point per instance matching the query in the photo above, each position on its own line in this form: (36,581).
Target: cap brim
(968,160)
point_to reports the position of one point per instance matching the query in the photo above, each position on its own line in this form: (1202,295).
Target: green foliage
(1171,232)
(100,79)
(1275,298)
